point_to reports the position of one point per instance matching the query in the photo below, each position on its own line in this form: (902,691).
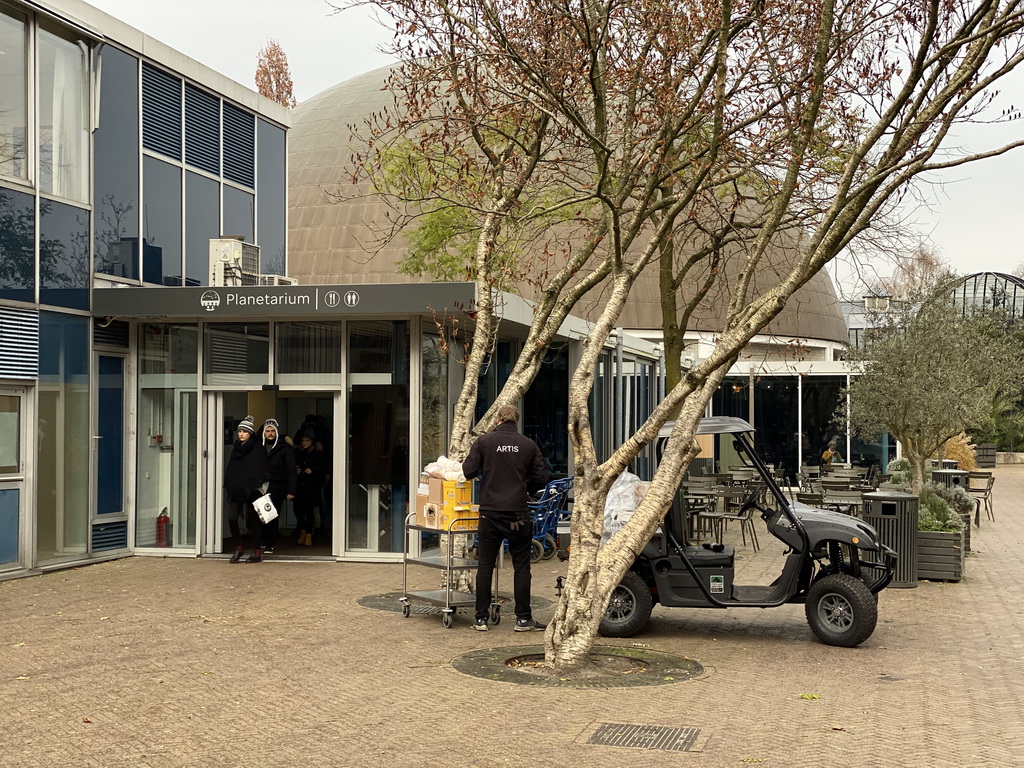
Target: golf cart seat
(703,557)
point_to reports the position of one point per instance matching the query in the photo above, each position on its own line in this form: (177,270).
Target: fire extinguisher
(163,529)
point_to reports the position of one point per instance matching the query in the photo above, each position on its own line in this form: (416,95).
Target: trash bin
(950,477)
(894,516)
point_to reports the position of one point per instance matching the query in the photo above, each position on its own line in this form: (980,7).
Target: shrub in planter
(940,539)
(961,502)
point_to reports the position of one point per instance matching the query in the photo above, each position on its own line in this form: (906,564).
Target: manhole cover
(647,737)
(388,601)
(613,667)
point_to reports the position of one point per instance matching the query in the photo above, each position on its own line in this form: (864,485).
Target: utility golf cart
(834,563)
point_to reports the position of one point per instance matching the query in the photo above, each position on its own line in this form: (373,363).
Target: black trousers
(495,527)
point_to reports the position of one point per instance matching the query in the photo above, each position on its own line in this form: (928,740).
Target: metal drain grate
(645,737)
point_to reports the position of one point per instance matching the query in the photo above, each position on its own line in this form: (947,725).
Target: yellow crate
(457,493)
(455,515)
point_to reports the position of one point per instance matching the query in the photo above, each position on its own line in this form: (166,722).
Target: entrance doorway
(295,412)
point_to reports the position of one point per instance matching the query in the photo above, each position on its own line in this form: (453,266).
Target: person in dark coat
(245,477)
(281,463)
(311,472)
(510,466)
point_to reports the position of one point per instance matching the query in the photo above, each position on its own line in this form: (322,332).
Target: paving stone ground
(167,663)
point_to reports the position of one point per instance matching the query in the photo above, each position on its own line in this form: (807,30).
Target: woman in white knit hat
(244,479)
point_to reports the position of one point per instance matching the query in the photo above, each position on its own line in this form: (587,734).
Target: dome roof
(332,241)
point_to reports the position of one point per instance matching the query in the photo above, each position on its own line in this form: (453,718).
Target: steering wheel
(751,501)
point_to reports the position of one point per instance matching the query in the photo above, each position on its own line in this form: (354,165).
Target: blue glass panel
(239,216)
(202,223)
(116,147)
(110,451)
(161,223)
(9,503)
(17,246)
(271,181)
(64,268)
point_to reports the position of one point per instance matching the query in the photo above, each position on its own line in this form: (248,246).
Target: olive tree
(928,372)
(581,141)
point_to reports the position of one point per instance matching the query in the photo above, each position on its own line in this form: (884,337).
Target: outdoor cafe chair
(835,483)
(848,502)
(734,499)
(979,484)
(810,498)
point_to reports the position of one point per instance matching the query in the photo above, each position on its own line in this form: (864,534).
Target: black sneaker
(480,625)
(268,550)
(529,625)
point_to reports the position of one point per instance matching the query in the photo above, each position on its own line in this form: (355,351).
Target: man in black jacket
(510,467)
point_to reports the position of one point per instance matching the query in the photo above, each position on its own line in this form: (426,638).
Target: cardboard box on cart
(429,498)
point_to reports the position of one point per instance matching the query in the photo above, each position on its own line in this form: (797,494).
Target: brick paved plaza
(169,662)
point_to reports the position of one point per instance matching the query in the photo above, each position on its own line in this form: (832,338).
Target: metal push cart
(450,599)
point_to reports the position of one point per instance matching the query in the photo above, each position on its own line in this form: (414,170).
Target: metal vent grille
(645,737)
(161,112)
(202,129)
(19,343)
(110,536)
(239,146)
(113,335)
(228,352)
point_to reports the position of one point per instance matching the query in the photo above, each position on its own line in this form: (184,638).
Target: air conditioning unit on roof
(278,280)
(234,262)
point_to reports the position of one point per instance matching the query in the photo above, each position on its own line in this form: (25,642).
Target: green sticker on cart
(718,584)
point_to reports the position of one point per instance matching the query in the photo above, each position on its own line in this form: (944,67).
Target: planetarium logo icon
(210,300)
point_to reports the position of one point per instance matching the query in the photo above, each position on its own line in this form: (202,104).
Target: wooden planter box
(940,556)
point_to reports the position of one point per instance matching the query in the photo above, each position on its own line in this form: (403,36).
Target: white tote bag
(265,508)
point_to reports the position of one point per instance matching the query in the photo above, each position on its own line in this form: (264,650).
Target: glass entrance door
(12,479)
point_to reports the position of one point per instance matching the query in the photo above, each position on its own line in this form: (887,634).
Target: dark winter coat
(281,463)
(246,471)
(309,485)
(510,466)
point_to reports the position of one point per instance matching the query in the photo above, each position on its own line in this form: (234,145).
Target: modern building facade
(124,371)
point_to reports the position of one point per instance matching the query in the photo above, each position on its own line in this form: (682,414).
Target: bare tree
(588,137)
(273,77)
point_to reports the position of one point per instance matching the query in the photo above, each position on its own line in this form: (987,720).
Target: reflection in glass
(776,410)
(161,222)
(63,255)
(308,353)
(239,217)
(434,407)
(116,181)
(13,95)
(237,353)
(62,467)
(10,435)
(545,411)
(821,396)
(167,434)
(63,116)
(202,224)
(270,194)
(378,435)
(17,246)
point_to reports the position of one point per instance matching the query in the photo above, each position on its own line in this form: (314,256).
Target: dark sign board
(274,301)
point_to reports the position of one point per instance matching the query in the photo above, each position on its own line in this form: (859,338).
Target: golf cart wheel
(536,551)
(841,610)
(629,608)
(550,547)
(495,615)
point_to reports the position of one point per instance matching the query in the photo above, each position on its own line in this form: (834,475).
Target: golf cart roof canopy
(713,425)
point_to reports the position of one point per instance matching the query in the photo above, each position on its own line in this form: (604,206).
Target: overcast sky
(974,217)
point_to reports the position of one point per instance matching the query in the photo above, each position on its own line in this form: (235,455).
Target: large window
(776,410)
(202,223)
(821,397)
(546,409)
(308,354)
(63,116)
(116,181)
(13,96)
(239,216)
(378,435)
(270,169)
(167,435)
(237,353)
(63,255)
(17,245)
(161,223)
(62,469)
